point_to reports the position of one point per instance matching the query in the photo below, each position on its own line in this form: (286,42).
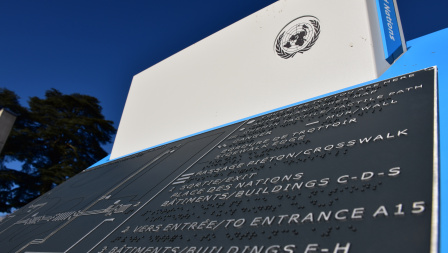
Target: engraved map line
(36,241)
(111,219)
(32,206)
(183,178)
(131,215)
(312,123)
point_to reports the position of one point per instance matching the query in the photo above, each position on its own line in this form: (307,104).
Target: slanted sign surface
(356,171)
(289,51)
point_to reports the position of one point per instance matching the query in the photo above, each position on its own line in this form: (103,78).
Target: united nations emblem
(297,36)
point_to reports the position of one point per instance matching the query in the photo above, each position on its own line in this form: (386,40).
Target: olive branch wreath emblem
(285,55)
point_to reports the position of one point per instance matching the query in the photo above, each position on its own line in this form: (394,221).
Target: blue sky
(95,47)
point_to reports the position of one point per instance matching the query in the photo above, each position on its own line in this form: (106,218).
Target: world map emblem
(297,36)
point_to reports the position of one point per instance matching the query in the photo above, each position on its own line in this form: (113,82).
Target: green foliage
(55,138)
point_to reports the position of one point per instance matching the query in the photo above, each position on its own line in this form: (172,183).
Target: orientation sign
(356,171)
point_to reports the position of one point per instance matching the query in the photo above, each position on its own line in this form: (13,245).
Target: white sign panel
(285,53)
